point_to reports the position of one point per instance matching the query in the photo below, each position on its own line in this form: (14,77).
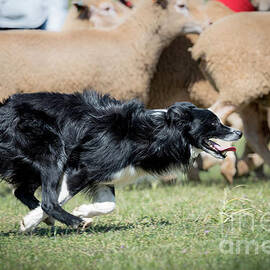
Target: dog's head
(199,126)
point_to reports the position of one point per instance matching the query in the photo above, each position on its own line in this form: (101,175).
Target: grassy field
(186,226)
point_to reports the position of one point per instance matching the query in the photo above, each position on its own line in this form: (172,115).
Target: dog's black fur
(90,137)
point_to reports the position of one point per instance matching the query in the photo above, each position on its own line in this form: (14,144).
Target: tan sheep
(238,64)
(123,58)
(176,66)
(86,14)
(187,82)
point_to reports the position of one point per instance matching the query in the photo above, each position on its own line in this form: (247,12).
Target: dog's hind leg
(103,203)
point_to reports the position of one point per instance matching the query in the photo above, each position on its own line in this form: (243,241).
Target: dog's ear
(84,12)
(179,112)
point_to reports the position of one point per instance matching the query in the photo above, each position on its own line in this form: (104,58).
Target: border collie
(67,143)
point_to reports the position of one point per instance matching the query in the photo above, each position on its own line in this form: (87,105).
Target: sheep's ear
(83,10)
(162,3)
(78,4)
(127,3)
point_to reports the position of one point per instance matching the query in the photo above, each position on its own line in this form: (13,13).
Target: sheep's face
(103,13)
(214,11)
(108,14)
(183,16)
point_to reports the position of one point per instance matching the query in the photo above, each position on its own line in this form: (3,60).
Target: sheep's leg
(209,161)
(227,166)
(268,116)
(234,120)
(103,204)
(193,173)
(256,129)
(222,110)
(250,161)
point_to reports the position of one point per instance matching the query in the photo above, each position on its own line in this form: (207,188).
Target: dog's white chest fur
(127,176)
(194,152)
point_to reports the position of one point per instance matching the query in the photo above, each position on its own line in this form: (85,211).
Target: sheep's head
(103,13)
(215,10)
(181,16)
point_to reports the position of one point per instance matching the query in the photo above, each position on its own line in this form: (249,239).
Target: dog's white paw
(81,211)
(24,228)
(86,223)
(32,219)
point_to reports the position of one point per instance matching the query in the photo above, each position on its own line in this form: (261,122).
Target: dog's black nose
(238,133)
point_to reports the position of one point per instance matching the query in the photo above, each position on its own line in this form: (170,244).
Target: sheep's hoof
(50,221)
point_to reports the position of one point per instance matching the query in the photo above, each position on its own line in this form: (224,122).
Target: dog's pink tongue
(221,149)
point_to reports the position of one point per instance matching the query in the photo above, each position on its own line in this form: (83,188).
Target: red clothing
(238,5)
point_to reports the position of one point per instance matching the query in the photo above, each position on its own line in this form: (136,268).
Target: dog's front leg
(34,217)
(103,203)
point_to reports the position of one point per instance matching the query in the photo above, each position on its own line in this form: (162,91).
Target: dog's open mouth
(215,149)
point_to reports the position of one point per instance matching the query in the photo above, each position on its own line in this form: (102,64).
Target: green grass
(171,227)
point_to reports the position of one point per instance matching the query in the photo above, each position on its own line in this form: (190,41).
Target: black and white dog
(85,141)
